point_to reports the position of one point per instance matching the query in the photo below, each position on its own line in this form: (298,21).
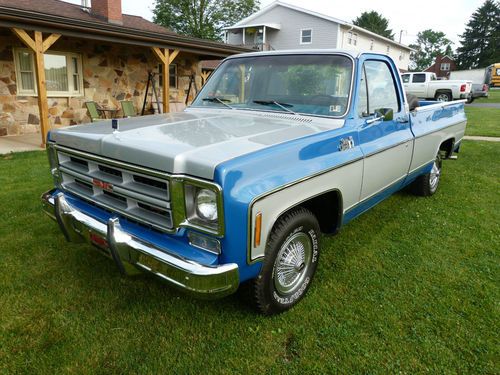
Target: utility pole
(400,35)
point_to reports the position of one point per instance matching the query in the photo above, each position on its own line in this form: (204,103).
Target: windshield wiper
(216,99)
(283,106)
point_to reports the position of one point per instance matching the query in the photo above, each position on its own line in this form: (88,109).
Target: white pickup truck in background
(426,86)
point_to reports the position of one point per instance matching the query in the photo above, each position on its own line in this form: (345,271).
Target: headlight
(203,203)
(206,205)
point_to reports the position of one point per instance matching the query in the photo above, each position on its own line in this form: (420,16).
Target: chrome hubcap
(434,175)
(292,263)
(442,98)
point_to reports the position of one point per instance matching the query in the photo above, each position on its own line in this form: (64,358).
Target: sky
(448,16)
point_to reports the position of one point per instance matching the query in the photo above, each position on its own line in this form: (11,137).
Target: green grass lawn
(483,121)
(412,286)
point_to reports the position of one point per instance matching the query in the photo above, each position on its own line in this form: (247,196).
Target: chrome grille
(137,193)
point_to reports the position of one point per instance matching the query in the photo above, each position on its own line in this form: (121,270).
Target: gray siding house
(282,26)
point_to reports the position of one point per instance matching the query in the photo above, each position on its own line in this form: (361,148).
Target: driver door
(386,144)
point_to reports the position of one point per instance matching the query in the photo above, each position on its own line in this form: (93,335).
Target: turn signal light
(258,227)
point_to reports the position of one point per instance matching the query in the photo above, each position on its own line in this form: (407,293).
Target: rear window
(406,78)
(418,78)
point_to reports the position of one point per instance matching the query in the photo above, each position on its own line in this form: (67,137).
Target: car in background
(479,77)
(425,85)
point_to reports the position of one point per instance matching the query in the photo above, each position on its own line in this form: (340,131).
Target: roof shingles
(68,10)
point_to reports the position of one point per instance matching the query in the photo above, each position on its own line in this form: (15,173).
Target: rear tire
(291,259)
(443,96)
(427,184)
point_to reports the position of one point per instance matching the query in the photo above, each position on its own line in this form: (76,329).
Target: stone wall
(110,73)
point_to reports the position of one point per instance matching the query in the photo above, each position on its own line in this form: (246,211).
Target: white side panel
(427,146)
(385,168)
(347,179)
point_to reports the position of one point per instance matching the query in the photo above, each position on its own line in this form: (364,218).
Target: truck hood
(193,142)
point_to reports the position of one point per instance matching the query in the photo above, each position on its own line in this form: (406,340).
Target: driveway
(484,105)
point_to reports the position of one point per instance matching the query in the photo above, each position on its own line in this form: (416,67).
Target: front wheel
(292,254)
(427,184)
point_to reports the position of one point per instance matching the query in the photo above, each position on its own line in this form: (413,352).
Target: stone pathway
(481,138)
(16,143)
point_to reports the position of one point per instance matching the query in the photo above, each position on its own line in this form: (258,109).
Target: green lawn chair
(128,108)
(94,112)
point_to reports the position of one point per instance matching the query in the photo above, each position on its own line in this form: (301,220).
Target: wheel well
(327,208)
(443,91)
(447,147)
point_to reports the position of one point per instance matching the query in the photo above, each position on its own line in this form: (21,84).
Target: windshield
(305,84)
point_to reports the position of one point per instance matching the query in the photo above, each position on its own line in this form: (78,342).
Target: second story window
(371,44)
(388,49)
(445,66)
(306,36)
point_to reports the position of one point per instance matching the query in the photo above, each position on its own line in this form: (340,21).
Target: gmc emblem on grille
(103,185)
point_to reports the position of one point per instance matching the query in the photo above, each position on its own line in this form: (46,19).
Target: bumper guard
(132,254)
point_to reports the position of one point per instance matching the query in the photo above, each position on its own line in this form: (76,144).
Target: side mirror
(386,114)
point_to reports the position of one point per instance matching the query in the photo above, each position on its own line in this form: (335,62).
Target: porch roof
(270,25)
(55,16)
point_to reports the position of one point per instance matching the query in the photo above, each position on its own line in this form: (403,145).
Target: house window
(352,38)
(172,77)
(445,66)
(388,49)
(62,73)
(402,56)
(371,44)
(306,36)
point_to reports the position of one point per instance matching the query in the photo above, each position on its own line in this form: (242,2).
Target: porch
(52,65)
(255,36)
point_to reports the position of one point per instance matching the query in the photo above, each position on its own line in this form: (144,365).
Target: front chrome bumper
(132,254)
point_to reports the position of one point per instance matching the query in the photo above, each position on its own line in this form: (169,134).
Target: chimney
(109,10)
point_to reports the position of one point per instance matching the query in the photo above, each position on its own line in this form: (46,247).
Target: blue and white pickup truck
(276,150)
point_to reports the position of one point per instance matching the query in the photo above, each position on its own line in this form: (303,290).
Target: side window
(363,96)
(406,78)
(418,78)
(380,86)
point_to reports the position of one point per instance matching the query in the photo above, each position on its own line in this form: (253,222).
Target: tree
(480,43)
(374,22)
(202,18)
(429,45)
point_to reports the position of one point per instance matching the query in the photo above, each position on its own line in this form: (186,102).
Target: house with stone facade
(56,56)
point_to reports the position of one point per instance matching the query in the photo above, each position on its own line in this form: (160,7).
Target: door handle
(402,119)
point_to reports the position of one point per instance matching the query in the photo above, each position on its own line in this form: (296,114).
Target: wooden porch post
(166,57)
(39,46)
(204,76)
